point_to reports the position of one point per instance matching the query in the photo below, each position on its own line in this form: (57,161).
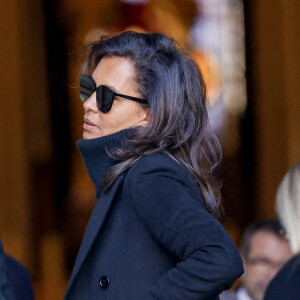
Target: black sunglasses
(104,94)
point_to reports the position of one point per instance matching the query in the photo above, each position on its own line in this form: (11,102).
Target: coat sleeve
(209,261)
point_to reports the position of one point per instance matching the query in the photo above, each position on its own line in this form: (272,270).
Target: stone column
(24,129)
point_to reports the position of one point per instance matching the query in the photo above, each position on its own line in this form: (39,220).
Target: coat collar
(95,153)
(93,228)
(98,162)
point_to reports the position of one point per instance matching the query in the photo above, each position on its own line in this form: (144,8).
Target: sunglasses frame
(85,92)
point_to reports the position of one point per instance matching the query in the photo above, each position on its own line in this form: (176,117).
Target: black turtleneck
(96,158)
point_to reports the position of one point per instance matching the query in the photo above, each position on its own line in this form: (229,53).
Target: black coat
(150,237)
(286,284)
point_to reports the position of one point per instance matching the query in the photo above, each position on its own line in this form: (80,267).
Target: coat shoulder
(285,285)
(159,163)
(149,169)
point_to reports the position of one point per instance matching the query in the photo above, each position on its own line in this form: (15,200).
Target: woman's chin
(91,134)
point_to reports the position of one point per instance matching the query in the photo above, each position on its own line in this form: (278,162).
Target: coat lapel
(94,226)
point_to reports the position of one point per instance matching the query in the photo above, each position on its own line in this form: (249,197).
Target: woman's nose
(91,103)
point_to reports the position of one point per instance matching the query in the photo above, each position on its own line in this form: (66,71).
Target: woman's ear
(144,117)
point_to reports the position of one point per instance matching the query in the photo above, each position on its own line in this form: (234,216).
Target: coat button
(104,282)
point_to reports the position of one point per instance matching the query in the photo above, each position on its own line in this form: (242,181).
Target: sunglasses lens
(105,98)
(86,87)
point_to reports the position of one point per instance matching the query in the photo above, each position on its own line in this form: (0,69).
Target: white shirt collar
(242,294)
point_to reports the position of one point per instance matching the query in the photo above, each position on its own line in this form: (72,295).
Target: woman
(153,232)
(286,284)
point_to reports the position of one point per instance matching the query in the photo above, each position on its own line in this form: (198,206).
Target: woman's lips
(88,125)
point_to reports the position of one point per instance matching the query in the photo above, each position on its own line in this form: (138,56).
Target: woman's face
(118,74)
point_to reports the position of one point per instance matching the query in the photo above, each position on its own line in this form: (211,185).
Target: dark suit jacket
(286,284)
(6,288)
(20,279)
(150,237)
(15,281)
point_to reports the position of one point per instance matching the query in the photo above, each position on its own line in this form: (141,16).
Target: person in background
(6,288)
(15,281)
(264,250)
(286,284)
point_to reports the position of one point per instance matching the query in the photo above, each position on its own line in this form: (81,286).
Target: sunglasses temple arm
(132,98)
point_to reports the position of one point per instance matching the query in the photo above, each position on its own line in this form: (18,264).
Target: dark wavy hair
(178,117)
